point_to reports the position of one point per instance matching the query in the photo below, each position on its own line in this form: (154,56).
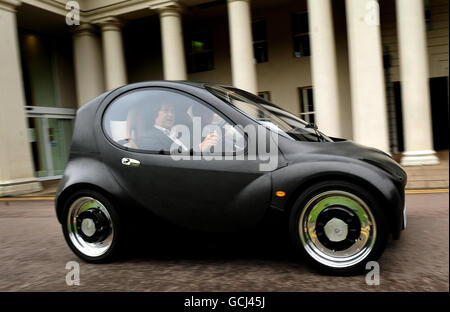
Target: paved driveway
(33,257)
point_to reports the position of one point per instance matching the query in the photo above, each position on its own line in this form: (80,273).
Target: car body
(316,182)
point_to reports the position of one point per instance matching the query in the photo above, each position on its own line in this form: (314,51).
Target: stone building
(372,71)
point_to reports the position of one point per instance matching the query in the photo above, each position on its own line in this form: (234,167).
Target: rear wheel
(338,226)
(91,226)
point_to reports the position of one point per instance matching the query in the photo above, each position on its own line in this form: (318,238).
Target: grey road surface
(33,257)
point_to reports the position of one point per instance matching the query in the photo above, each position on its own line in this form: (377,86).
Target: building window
(427,14)
(306,104)
(265,95)
(260,42)
(300,30)
(199,51)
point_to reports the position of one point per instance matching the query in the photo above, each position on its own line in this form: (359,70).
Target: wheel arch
(332,176)
(67,192)
(384,193)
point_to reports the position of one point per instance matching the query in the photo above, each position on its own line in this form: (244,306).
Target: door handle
(130,162)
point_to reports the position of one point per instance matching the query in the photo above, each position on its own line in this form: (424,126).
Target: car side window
(164,121)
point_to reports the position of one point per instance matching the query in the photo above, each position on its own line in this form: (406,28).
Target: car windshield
(268,114)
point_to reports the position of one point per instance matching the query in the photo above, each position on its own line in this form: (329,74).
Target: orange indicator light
(280,194)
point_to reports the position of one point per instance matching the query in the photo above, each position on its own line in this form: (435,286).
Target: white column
(113,55)
(174,62)
(324,68)
(241,43)
(366,74)
(88,63)
(416,108)
(16,165)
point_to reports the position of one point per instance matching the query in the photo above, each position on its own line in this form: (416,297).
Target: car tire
(92,227)
(338,227)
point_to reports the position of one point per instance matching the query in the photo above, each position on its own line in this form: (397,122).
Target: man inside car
(160,137)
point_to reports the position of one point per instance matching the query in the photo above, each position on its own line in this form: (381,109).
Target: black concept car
(215,158)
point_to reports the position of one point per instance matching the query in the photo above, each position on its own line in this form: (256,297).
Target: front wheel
(338,226)
(91,226)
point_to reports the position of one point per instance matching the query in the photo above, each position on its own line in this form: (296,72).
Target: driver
(160,137)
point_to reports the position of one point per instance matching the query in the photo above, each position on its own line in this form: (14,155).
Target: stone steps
(428,177)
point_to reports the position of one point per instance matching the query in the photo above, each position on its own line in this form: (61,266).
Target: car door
(219,194)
